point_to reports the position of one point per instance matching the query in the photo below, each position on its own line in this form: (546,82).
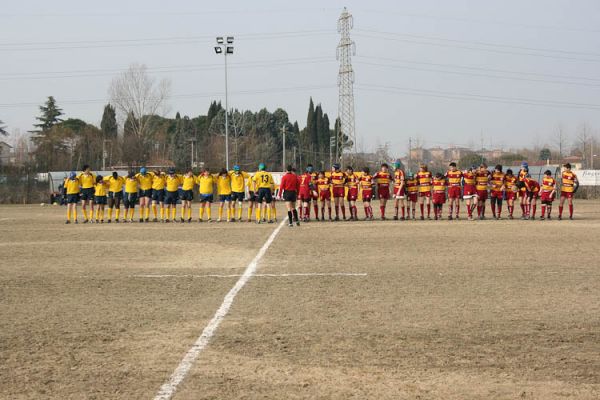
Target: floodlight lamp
(229,49)
(218,49)
(229,39)
(220,39)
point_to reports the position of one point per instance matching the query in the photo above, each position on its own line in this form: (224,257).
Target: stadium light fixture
(229,49)
(218,49)
(219,39)
(225,47)
(229,39)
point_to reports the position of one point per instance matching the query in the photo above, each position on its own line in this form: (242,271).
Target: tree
(545,154)
(560,141)
(135,94)
(49,117)
(3,129)
(109,125)
(469,159)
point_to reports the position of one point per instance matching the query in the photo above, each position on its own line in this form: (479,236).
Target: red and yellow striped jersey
(548,184)
(568,182)
(352,181)
(482,180)
(439,185)
(454,177)
(510,183)
(382,179)
(338,179)
(531,185)
(497,181)
(398,178)
(412,185)
(424,179)
(366,182)
(323,184)
(521,177)
(469,178)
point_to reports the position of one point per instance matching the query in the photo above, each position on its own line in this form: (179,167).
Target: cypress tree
(109,125)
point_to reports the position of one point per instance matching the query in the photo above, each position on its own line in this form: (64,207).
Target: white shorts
(399,197)
(469,197)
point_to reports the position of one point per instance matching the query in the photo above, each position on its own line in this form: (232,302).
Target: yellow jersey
(188,182)
(158,182)
(115,185)
(173,182)
(223,184)
(238,181)
(88,181)
(145,181)
(100,189)
(73,186)
(568,182)
(206,183)
(263,180)
(131,185)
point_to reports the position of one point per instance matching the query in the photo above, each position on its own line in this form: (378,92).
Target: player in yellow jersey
(88,181)
(115,195)
(238,191)
(172,183)
(145,180)
(568,188)
(131,196)
(187,195)
(224,191)
(263,183)
(100,198)
(206,183)
(73,189)
(251,198)
(158,195)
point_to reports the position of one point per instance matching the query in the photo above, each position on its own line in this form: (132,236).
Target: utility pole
(345,50)
(104,154)
(332,142)
(409,153)
(283,130)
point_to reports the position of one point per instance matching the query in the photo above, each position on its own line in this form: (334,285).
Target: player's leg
(570,199)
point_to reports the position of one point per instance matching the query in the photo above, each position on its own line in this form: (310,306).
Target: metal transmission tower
(345,50)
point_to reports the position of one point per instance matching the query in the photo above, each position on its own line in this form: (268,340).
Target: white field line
(168,388)
(255,275)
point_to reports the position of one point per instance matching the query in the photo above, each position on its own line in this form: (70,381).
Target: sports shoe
(108,222)
(167,221)
(395,218)
(181,219)
(141,220)
(147,220)
(67,222)
(297,223)
(449,217)
(542,218)
(290,225)
(337,218)
(116,221)
(270,221)
(422,218)
(155,220)
(85,221)
(189,220)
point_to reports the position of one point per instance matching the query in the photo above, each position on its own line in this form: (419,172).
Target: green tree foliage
(545,154)
(109,125)
(469,159)
(50,115)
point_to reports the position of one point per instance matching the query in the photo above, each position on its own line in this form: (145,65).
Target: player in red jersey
(399,190)
(412,191)
(548,193)
(288,188)
(568,188)
(497,192)
(532,188)
(338,182)
(352,185)
(523,200)
(470,190)
(482,183)
(439,195)
(453,178)
(314,192)
(305,193)
(366,187)
(383,179)
(324,189)
(424,179)
(510,191)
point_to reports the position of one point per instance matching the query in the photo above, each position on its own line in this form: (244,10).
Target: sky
(505,74)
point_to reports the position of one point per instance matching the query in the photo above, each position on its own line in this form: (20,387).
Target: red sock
(483,210)
(428,210)
(344,211)
(450,209)
(316,207)
(403,212)
(322,212)
(571,210)
(493,208)
(382,210)
(560,208)
(543,211)
(366,211)
(355,210)
(457,208)
(478,210)
(329,212)
(300,209)
(395,211)
(523,208)
(371,211)
(307,212)
(499,211)
(549,211)
(422,208)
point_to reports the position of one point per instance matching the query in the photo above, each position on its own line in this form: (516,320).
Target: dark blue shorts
(87,194)
(146,193)
(187,195)
(100,199)
(72,198)
(264,194)
(130,200)
(158,195)
(238,196)
(224,197)
(171,198)
(115,195)
(206,198)
(251,196)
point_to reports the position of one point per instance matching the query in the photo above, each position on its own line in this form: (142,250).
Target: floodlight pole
(226,117)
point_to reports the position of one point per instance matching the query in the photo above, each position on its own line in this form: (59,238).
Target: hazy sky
(445,72)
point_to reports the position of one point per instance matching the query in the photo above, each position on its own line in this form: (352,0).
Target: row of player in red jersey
(474,186)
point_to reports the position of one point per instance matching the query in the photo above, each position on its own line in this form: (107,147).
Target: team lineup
(159,192)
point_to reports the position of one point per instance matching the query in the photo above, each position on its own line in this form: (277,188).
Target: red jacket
(289,182)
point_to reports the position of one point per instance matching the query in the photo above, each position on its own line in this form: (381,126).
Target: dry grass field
(434,310)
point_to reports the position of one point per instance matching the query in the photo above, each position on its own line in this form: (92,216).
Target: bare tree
(3,131)
(560,139)
(583,142)
(134,92)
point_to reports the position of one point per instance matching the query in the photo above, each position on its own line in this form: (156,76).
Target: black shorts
(115,195)
(158,195)
(187,195)
(100,199)
(72,198)
(264,194)
(251,196)
(87,194)
(206,198)
(171,198)
(146,193)
(290,195)
(130,200)
(237,196)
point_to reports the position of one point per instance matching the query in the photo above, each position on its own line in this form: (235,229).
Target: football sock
(295,214)
(118,213)
(428,210)
(290,217)
(570,210)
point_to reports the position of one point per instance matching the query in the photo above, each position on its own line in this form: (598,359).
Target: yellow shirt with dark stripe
(145,181)
(206,184)
(73,186)
(88,181)
(263,180)
(115,185)
(188,182)
(238,181)
(173,182)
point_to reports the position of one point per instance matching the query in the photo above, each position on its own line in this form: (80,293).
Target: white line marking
(255,275)
(168,389)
